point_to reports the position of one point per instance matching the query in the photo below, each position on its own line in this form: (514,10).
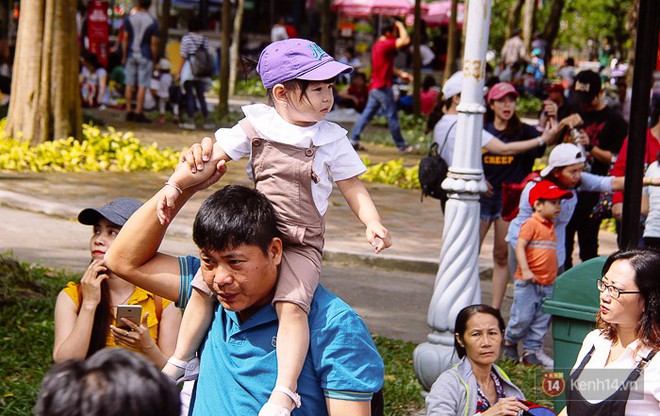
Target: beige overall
(284,174)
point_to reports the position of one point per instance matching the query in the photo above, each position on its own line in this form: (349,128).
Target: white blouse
(644,399)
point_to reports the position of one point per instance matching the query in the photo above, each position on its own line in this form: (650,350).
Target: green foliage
(584,21)
(529,106)
(251,87)
(391,172)
(402,391)
(27,302)
(528,379)
(99,150)
(412,128)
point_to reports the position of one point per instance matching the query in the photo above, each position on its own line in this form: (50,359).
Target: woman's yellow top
(138,297)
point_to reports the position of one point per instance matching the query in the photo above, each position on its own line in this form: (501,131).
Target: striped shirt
(541,251)
(191,42)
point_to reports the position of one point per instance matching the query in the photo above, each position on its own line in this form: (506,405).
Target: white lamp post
(457,281)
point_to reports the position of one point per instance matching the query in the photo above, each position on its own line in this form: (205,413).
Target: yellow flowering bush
(99,150)
(391,172)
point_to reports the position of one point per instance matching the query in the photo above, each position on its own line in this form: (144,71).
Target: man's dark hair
(388,26)
(113,382)
(234,216)
(195,24)
(145,4)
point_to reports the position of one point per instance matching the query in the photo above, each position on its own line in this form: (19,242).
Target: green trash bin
(573,306)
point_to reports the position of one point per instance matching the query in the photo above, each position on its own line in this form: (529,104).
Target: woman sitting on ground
(627,339)
(85,312)
(476,384)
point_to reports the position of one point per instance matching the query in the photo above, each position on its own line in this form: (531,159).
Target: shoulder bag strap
(447,136)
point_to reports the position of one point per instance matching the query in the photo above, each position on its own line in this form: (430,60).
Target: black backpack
(201,63)
(433,170)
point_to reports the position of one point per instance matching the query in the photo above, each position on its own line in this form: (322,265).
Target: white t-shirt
(334,160)
(278,32)
(644,396)
(652,227)
(440,132)
(161,83)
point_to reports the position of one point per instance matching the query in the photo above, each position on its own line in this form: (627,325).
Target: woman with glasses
(617,371)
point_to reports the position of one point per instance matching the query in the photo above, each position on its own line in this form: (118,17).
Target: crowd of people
(246,324)
(138,79)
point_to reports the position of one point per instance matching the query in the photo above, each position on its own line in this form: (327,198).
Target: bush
(528,106)
(392,172)
(99,150)
(251,87)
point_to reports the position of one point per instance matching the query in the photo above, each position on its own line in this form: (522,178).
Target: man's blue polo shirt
(239,364)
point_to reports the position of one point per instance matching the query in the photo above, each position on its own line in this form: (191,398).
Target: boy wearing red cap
(536,252)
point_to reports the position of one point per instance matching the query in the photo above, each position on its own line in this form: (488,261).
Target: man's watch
(589,147)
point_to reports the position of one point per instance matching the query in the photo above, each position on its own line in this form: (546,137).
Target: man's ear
(275,250)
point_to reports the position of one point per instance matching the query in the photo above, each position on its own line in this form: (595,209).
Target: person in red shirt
(428,94)
(393,36)
(356,95)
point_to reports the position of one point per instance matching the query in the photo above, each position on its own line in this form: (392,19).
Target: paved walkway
(38,213)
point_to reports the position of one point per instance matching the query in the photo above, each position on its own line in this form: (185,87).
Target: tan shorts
(299,275)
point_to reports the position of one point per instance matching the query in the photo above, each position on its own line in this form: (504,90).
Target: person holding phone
(86,313)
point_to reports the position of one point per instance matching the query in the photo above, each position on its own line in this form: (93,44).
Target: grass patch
(402,391)
(27,302)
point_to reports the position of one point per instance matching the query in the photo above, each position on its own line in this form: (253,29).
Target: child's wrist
(175,186)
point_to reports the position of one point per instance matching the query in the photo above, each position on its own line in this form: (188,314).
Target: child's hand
(166,199)
(528,277)
(197,155)
(378,236)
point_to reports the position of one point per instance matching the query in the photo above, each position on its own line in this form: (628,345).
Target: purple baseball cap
(289,59)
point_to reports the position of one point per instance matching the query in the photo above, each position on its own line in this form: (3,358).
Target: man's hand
(617,211)
(550,108)
(571,121)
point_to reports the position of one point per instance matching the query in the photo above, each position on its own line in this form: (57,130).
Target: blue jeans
(195,87)
(527,322)
(380,98)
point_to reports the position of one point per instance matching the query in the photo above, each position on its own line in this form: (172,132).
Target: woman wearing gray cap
(86,312)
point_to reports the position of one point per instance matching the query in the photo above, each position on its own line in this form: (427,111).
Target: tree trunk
(45,99)
(528,23)
(235,46)
(451,41)
(552,28)
(223,99)
(164,26)
(326,27)
(513,18)
(4,19)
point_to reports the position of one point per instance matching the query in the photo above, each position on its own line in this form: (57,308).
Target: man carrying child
(536,252)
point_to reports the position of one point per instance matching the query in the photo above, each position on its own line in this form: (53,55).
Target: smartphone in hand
(131,312)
